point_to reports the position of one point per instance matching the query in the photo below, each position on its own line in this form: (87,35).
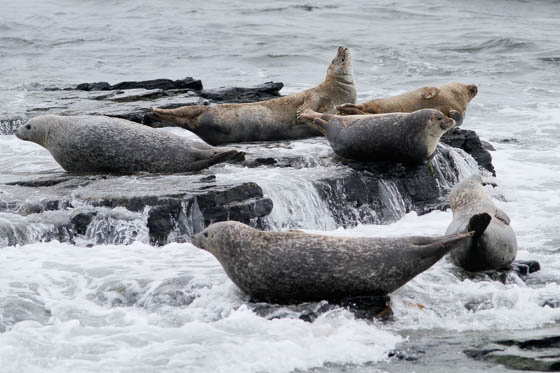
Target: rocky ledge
(94,209)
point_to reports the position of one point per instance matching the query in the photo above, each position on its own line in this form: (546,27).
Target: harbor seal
(409,138)
(493,248)
(293,266)
(274,119)
(89,143)
(451,99)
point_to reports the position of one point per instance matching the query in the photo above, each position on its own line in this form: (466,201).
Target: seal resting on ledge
(275,119)
(451,99)
(495,247)
(409,138)
(89,143)
(293,266)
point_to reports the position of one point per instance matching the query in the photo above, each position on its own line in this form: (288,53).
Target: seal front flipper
(502,216)
(457,116)
(429,92)
(351,109)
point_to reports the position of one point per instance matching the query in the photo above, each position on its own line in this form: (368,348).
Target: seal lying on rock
(451,99)
(295,266)
(494,247)
(274,119)
(400,137)
(91,143)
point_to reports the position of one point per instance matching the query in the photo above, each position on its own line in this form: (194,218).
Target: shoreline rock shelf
(165,208)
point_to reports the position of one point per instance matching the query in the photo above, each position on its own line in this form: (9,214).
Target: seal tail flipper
(478,224)
(350,109)
(442,246)
(227,156)
(182,115)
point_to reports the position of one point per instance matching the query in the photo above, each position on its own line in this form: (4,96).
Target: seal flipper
(181,115)
(478,224)
(429,92)
(351,109)
(227,156)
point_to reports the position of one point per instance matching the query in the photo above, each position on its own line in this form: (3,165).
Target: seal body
(409,138)
(496,247)
(451,99)
(294,266)
(274,119)
(91,143)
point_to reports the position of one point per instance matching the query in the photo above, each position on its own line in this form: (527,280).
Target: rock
(470,142)
(260,92)
(169,208)
(540,354)
(163,84)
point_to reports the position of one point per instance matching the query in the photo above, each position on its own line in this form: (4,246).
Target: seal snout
(443,121)
(473,89)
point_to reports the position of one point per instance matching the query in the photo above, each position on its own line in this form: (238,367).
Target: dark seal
(294,266)
(409,138)
(91,143)
(493,247)
(275,119)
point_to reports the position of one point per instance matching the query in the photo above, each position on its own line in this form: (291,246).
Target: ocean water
(138,308)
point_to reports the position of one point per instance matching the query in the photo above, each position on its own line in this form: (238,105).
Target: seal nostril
(28,127)
(205,234)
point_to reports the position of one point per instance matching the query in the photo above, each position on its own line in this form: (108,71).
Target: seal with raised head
(294,266)
(493,247)
(89,143)
(451,99)
(275,119)
(409,138)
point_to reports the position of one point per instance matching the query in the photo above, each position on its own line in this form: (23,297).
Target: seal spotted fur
(493,248)
(409,138)
(275,119)
(294,266)
(91,143)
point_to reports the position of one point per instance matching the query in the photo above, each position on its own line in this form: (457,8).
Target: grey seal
(294,266)
(492,248)
(451,99)
(89,143)
(409,138)
(275,119)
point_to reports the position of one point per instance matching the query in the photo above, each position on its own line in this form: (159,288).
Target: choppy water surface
(142,308)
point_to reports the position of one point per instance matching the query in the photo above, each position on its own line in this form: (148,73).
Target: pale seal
(293,266)
(274,119)
(451,99)
(409,138)
(89,143)
(495,247)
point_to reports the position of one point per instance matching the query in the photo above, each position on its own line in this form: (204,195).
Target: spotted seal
(294,266)
(89,143)
(409,138)
(451,99)
(274,119)
(492,248)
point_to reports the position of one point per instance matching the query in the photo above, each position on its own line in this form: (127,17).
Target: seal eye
(28,127)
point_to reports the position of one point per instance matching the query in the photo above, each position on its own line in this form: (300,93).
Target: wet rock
(260,92)
(540,354)
(170,208)
(470,142)
(163,84)
(518,270)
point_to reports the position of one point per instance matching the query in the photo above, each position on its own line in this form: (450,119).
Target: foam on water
(139,307)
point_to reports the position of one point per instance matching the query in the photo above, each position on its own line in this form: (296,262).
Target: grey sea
(99,307)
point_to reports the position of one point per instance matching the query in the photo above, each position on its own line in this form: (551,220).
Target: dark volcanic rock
(470,142)
(169,208)
(163,84)
(260,92)
(535,354)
